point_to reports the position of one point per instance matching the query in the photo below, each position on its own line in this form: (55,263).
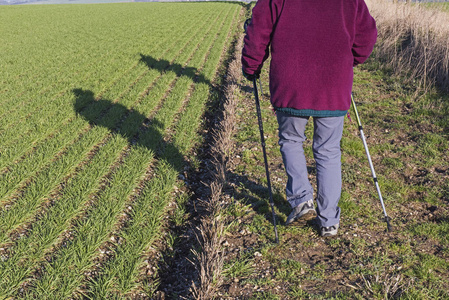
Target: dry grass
(209,261)
(413,40)
(384,285)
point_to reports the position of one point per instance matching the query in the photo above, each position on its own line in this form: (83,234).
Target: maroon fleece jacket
(314,46)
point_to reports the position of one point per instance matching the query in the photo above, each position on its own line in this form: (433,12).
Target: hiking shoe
(330,231)
(305,211)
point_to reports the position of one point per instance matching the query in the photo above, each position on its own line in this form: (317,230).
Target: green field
(100,108)
(444,6)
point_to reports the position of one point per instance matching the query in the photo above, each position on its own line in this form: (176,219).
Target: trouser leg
(291,138)
(327,154)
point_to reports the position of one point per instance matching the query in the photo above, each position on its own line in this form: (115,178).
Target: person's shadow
(132,125)
(164,65)
(138,129)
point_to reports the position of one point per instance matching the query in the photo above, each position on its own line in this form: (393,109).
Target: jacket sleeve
(258,34)
(365,34)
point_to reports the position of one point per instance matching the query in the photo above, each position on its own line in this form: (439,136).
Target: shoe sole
(311,214)
(332,233)
(329,234)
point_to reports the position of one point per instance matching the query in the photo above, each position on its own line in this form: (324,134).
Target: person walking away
(314,45)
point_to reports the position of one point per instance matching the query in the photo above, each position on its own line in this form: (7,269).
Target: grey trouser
(326,151)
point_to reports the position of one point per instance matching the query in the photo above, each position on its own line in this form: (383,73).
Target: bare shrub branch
(385,284)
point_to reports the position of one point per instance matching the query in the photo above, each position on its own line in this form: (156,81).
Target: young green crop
(90,110)
(146,215)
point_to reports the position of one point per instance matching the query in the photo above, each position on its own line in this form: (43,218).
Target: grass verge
(406,130)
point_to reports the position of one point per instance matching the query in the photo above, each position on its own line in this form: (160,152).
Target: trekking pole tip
(389,228)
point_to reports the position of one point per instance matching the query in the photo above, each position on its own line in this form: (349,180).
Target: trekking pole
(359,123)
(262,140)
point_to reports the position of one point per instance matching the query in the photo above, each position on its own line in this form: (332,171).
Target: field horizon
(38,2)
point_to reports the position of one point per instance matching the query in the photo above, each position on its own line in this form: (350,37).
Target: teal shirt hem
(311,112)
